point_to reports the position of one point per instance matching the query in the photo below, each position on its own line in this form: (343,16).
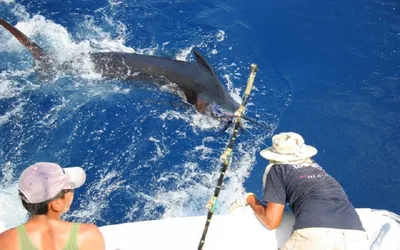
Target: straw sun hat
(288,147)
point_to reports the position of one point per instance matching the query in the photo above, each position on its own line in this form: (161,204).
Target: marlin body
(197,80)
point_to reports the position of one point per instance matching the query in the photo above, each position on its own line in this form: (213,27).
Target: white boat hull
(240,230)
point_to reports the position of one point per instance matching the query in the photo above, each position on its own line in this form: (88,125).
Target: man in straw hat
(46,191)
(324,216)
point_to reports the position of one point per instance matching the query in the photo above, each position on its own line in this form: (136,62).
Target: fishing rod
(226,157)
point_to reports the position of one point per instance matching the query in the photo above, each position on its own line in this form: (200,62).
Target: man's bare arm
(270,215)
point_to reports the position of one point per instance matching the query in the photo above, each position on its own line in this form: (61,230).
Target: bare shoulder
(89,229)
(8,238)
(90,237)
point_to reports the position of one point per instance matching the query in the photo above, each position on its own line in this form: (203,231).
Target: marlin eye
(217,111)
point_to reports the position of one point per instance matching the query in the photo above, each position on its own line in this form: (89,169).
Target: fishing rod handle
(226,156)
(246,94)
(250,81)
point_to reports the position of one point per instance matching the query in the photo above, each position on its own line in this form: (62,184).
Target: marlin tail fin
(35,49)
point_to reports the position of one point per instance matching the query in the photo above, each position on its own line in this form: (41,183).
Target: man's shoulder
(8,238)
(90,237)
(8,233)
(283,168)
(83,227)
(85,230)
(299,167)
(88,229)
(292,171)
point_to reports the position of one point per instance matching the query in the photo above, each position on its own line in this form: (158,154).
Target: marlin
(197,80)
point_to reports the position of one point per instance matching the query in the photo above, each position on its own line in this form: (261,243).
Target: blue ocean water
(328,70)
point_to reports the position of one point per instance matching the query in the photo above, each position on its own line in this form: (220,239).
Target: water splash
(145,158)
(6,1)
(11,211)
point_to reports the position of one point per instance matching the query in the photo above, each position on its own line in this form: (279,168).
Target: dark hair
(42,207)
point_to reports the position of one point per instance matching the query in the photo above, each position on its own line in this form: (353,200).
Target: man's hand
(241,202)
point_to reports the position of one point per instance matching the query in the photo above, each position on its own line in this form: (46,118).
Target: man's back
(51,234)
(315,197)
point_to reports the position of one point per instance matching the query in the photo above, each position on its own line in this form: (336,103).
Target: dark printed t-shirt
(316,198)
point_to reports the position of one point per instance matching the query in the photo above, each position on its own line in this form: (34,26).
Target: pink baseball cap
(43,181)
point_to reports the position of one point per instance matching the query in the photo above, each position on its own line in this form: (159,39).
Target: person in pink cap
(47,191)
(324,216)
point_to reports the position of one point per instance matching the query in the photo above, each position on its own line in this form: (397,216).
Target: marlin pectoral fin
(35,49)
(227,125)
(201,104)
(202,61)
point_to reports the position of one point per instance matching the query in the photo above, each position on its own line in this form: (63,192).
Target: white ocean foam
(92,89)
(114,2)
(183,54)
(159,150)
(220,35)
(233,92)
(171,114)
(7,89)
(5,75)
(20,12)
(204,121)
(9,44)
(6,1)
(194,185)
(191,189)
(242,163)
(96,198)
(56,40)
(7,171)
(103,41)
(192,118)
(50,118)
(151,138)
(108,44)
(12,212)
(205,151)
(16,111)
(184,199)
(56,34)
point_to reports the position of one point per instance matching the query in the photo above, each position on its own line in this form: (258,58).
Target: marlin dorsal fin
(202,61)
(35,49)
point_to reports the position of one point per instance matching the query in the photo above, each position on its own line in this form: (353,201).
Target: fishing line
(257,138)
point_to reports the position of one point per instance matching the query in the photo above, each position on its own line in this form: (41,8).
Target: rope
(227,155)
